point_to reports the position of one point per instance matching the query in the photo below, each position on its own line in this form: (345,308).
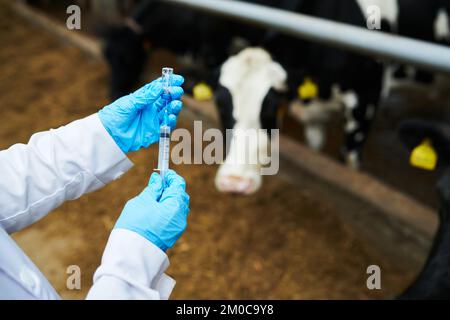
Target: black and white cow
(343,79)
(424,20)
(156,24)
(434,280)
(315,113)
(251,86)
(208,39)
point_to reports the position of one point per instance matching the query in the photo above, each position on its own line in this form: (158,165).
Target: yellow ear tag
(308,90)
(424,156)
(202,92)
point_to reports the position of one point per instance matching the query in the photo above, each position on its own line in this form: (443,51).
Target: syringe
(164,130)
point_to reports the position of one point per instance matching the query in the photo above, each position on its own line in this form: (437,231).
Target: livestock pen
(310,232)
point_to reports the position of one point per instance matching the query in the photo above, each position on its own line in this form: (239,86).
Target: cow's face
(248,96)
(314,114)
(125,53)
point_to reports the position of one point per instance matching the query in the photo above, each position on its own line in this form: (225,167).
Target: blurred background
(302,235)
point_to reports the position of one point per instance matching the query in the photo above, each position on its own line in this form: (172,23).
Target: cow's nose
(237,184)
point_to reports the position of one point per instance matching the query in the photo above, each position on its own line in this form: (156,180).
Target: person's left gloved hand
(158,214)
(133,121)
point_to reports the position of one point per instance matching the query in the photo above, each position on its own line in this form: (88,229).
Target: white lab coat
(60,165)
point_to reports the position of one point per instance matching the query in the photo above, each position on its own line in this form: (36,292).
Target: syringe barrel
(164,150)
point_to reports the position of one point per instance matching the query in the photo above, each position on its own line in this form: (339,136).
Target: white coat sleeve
(132,268)
(56,166)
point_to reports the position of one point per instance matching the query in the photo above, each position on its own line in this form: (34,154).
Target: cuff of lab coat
(137,261)
(164,286)
(97,150)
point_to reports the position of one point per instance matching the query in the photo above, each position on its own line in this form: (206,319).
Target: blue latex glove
(158,214)
(133,121)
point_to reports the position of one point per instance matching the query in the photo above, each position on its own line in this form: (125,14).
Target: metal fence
(368,42)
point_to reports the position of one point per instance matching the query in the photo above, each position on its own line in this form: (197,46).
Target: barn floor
(283,243)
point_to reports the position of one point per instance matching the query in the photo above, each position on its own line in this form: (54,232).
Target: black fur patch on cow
(269,110)
(434,280)
(124,50)
(224,102)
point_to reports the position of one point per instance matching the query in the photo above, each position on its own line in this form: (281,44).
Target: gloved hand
(158,214)
(133,121)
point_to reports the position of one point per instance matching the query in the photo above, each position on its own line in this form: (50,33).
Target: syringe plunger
(167,74)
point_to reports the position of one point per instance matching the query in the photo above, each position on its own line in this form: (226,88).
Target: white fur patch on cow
(317,112)
(350,125)
(315,136)
(441,25)
(350,100)
(353,161)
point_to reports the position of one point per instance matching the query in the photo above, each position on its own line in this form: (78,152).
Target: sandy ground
(282,243)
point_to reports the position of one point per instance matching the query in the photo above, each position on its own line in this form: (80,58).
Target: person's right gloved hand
(158,214)
(133,121)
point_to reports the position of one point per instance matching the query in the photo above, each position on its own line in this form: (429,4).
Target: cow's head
(248,97)
(314,111)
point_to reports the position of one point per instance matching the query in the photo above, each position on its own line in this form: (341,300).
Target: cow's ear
(278,76)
